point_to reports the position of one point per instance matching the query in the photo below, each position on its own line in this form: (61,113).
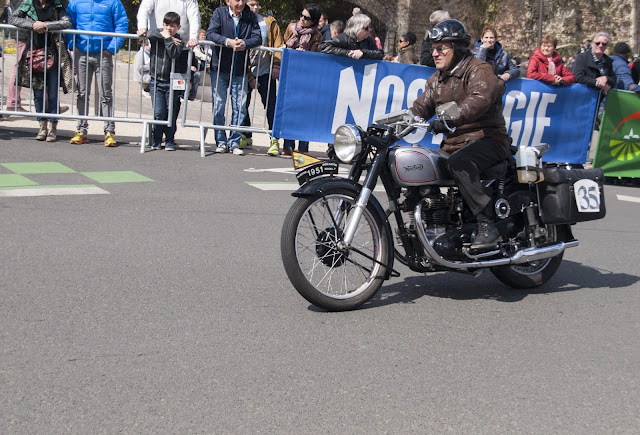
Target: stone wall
(516,21)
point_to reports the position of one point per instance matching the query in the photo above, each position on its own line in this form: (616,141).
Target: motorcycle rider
(480,140)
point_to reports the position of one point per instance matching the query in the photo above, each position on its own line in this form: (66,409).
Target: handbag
(36,59)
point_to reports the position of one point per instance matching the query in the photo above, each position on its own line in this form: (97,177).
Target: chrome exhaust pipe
(523,256)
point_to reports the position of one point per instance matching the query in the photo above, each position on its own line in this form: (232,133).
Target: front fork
(361,202)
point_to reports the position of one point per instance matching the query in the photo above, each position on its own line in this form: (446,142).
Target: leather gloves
(437,126)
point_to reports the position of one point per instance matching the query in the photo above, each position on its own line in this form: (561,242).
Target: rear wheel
(535,273)
(319,268)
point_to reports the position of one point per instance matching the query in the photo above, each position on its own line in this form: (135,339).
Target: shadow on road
(571,276)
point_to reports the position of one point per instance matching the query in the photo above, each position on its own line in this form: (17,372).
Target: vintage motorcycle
(338,243)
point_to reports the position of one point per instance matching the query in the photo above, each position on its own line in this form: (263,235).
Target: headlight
(347,142)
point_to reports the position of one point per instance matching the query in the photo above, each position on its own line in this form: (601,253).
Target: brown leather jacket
(472,84)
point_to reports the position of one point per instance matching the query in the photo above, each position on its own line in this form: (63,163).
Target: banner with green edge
(618,149)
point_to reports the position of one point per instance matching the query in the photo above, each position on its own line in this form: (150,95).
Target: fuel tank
(417,166)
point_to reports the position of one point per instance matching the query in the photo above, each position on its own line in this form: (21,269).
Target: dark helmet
(449,30)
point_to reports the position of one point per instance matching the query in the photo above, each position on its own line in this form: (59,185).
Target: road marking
(52,191)
(628,198)
(274,186)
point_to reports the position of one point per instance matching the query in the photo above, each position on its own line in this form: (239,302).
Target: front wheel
(535,273)
(319,268)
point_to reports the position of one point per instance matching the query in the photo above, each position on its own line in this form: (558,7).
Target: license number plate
(587,193)
(317,170)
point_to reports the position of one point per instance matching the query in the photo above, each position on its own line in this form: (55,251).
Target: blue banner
(319,92)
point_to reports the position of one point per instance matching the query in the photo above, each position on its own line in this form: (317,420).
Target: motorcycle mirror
(448,111)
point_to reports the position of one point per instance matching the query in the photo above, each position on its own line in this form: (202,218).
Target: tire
(535,273)
(325,276)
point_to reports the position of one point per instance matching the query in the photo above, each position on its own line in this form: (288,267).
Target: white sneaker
(221,149)
(238,152)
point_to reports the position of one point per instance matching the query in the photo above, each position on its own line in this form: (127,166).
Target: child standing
(166,47)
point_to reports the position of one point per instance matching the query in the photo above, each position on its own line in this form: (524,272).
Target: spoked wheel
(318,265)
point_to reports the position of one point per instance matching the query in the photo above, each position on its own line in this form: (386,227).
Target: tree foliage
(284,11)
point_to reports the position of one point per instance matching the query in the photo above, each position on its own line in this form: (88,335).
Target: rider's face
(442,53)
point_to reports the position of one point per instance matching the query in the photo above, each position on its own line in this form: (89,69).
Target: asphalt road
(163,307)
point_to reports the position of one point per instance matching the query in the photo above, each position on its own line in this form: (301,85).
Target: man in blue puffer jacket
(94,56)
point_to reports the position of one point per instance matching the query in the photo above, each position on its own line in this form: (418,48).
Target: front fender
(325,185)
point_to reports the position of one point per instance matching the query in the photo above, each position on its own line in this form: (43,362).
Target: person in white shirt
(152,12)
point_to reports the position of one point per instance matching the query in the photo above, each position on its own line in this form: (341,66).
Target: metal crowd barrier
(203,120)
(128,104)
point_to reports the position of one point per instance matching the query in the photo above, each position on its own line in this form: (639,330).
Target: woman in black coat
(355,42)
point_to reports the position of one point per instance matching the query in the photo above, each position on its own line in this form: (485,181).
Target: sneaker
(79,138)
(487,237)
(221,149)
(110,139)
(12,108)
(246,142)
(274,149)
(169,146)
(287,152)
(238,152)
(156,146)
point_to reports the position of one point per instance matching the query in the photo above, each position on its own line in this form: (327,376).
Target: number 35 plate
(587,194)
(317,170)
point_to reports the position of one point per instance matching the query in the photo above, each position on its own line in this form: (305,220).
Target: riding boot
(42,133)
(488,235)
(51,137)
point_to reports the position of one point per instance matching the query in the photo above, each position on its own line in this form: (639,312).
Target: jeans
(51,104)
(100,64)
(303,145)
(238,86)
(160,93)
(195,82)
(267,93)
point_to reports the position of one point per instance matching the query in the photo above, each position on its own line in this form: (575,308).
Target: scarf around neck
(301,37)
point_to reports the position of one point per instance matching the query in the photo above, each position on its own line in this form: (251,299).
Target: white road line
(628,198)
(52,191)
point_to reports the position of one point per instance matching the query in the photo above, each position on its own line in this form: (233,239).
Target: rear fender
(328,184)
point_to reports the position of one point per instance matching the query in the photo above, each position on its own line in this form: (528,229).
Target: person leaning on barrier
(545,64)
(480,140)
(355,42)
(490,50)
(236,29)
(263,75)
(94,57)
(302,35)
(166,46)
(40,17)
(594,69)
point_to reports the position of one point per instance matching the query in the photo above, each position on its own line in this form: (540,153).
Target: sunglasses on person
(441,49)
(604,44)
(305,17)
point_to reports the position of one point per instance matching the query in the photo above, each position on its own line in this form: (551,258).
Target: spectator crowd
(171,28)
